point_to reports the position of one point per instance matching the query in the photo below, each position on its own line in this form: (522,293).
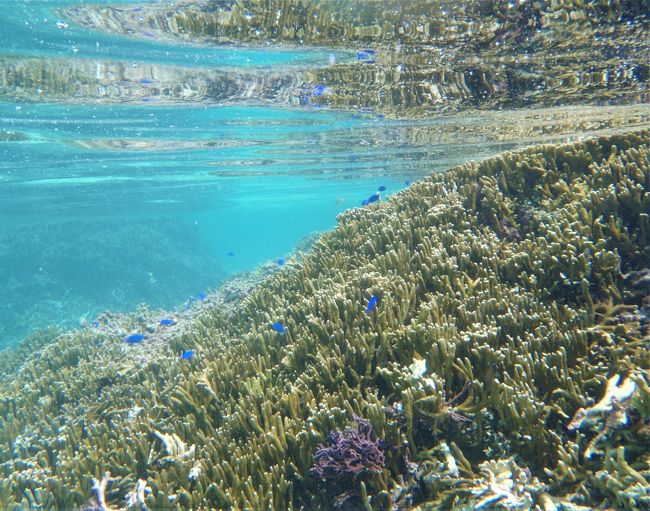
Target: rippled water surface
(110,203)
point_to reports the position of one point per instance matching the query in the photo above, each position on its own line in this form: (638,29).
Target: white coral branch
(175,447)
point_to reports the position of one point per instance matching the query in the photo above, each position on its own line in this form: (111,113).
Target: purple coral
(352,452)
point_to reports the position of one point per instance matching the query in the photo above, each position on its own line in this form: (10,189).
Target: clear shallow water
(106,206)
(110,206)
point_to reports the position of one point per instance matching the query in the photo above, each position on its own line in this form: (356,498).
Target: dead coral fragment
(504,486)
(195,471)
(135,499)
(608,414)
(98,501)
(176,449)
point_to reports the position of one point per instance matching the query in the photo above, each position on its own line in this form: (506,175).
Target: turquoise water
(109,205)
(29,28)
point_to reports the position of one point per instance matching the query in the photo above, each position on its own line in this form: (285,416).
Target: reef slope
(512,295)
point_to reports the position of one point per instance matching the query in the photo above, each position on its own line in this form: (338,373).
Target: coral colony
(352,452)
(496,371)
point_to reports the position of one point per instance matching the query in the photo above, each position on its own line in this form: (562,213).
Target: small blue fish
(364,202)
(407,182)
(371,304)
(134,339)
(382,188)
(319,90)
(279,262)
(186,355)
(373,198)
(96,324)
(146,81)
(201,296)
(231,254)
(369,61)
(167,322)
(278,328)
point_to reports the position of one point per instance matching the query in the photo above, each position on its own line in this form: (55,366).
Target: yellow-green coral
(491,273)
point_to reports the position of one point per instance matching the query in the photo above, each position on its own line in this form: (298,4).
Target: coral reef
(512,293)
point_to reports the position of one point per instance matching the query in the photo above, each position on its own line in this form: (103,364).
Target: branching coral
(508,327)
(136,498)
(98,500)
(609,413)
(175,448)
(504,485)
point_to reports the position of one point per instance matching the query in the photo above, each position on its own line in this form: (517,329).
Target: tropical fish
(319,90)
(364,202)
(373,198)
(280,262)
(365,54)
(146,81)
(371,304)
(201,296)
(167,322)
(134,338)
(278,327)
(382,188)
(231,254)
(187,354)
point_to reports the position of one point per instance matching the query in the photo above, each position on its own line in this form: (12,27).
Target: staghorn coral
(504,486)
(507,328)
(611,410)
(175,448)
